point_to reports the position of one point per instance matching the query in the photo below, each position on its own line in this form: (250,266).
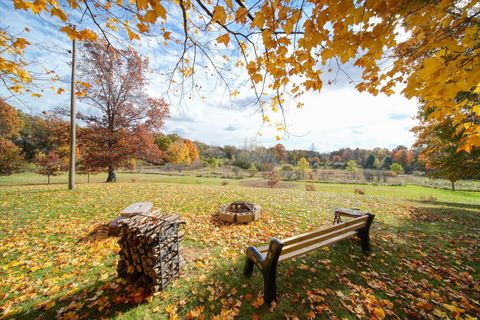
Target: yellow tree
(178,153)
(428,49)
(192,150)
(303,166)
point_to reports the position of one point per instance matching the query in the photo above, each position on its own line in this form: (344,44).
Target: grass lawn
(57,262)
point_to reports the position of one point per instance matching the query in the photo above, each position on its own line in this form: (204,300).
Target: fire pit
(240,211)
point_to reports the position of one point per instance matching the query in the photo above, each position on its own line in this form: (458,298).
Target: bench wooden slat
(347,212)
(317,232)
(324,237)
(318,245)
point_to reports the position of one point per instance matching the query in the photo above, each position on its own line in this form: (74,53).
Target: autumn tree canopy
(126,117)
(430,50)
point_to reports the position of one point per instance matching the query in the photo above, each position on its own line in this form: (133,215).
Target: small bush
(242,163)
(235,171)
(259,166)
(252,170)
(224,183)
(310,187)
(272,178)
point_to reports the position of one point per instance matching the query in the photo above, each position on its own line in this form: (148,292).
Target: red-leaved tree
(50,164)
(114,83)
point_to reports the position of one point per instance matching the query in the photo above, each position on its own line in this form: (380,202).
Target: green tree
(387,162)
(252,170)
(370,163)
(163,141)
(440,151)
(213,163)
(352,166)
(397,168)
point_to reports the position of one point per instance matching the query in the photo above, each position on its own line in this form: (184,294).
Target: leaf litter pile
(58,262)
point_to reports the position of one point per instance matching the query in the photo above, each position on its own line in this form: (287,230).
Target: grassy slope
(54,254)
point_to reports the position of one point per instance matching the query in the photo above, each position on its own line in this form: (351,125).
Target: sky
(337,117)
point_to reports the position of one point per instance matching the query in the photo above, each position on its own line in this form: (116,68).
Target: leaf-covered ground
(57,262)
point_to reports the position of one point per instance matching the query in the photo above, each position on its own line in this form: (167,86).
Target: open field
(56,260)
(154,174)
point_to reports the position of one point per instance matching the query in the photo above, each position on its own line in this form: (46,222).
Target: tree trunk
(112,177)
(88,177)
(48,177)
(453,185)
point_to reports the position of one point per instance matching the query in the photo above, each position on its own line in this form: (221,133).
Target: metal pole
(73,111)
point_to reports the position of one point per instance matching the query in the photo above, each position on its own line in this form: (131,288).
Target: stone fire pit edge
(240,212)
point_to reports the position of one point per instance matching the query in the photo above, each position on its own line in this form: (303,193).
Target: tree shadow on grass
(453,205)
(447,216)
(98,300)
(99,232)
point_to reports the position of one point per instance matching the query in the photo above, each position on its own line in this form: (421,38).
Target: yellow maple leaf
(477,89)
(259,20)
(87,34)
(20,43)
(59,14)
(84,84)
(160,10)
(142,27)
(219,14)
(225,39)
(72,33)
(150,16)
(132,35)
(241,15)
(378,313)
(142,4)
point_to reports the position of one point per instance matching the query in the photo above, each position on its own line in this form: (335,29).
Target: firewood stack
(150,249)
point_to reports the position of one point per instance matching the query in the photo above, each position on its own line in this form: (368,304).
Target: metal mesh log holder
(150,249)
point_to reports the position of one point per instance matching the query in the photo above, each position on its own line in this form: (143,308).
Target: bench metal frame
(266,258)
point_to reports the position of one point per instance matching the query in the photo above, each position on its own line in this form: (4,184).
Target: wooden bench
(267,257)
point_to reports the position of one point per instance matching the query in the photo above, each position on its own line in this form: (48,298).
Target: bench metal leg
(248,271)
(270,271)
(269,287)
(364,233)
(268,265)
